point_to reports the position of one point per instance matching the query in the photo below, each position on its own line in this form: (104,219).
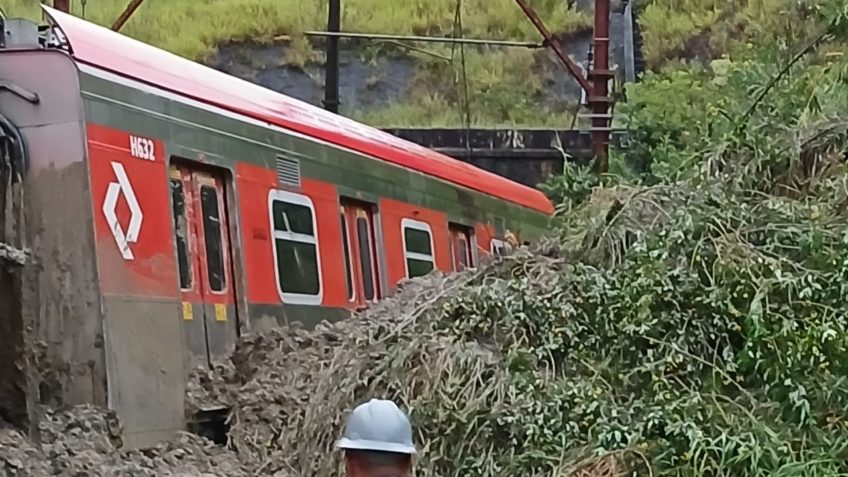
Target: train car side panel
(200,127)
(201,206)
(484,235)
(326,200)
(129,195)
(427,245)
(138,272)
(254,183)
(61,296)
(291,268)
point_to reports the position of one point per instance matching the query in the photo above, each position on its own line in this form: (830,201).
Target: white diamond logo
(110,204)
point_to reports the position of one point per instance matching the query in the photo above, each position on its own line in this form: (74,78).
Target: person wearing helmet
(377,441)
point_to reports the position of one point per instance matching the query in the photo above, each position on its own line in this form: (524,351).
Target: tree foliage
(713,343)
(682,120)
(699,320)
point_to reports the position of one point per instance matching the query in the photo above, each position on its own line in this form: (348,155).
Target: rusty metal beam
(125,16)
(570,65)
(596,84)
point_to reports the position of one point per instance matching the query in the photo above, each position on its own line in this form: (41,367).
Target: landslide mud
(85,441)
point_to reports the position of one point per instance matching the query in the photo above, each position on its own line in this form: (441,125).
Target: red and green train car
(171,208)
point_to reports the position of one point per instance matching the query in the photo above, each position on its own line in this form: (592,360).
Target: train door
(360,250)
(204,253)
(462,254)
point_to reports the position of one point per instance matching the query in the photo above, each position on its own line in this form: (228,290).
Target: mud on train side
(171,208)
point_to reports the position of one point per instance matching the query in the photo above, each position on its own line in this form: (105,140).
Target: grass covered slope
(513,87)
(707,29)
(504,84)
(193,28)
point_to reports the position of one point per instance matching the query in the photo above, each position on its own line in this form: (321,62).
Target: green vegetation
(708,333)
(678,115)
(709,28)
(682,118)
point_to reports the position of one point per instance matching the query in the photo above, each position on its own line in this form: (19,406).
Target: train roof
(105,49)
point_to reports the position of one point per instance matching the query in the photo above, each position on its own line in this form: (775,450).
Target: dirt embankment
(85,441)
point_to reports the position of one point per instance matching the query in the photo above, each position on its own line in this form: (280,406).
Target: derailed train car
(170,208)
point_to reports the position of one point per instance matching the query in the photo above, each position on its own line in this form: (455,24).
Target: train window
(294,218)
(363,230)
(460,249)
(418,248)
(181,231)
(351,292)
(212,238)
(462,252)
(296,248)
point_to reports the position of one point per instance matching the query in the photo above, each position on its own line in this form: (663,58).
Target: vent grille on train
(288,171)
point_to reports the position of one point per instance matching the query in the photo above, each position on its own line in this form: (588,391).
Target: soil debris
(85,441)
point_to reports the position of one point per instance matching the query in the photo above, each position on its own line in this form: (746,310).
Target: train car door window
(296,248)
(361,252)
(181,232)
(351,292)
(418,248)
(460,250)
(366,256)
(212,235)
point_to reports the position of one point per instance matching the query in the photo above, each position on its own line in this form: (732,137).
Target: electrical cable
(17,149)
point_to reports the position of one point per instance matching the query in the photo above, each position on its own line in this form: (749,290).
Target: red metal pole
(128,12)
(597,84)
(599,98)
(62,5)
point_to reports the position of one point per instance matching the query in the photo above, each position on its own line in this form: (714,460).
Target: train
(170,208)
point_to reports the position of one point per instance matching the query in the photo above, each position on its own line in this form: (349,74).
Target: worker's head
(377,441)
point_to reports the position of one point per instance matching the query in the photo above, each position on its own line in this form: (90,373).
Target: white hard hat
(379,426)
